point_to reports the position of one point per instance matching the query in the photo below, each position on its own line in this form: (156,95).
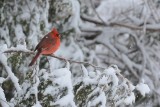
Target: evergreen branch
(60,58)
(73,61)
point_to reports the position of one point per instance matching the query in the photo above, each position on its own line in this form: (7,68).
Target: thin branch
(92,20)
(97,13)
(153,10)
(103,23)
(78,62)
(18,51)
(69,60)
(6,102)
(60,58)
(130,26)
(14,79)
(120,56)
(73,61)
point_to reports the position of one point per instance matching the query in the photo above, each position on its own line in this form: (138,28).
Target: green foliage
(15,60)
(29,101)
(82,93)
(8,88)
(45,99)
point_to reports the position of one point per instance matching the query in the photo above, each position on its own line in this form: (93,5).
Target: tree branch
(130,26)
(60,58)
(78,62)
(149,27)
(72,61)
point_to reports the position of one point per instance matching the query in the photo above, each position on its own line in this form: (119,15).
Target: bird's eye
(57,35)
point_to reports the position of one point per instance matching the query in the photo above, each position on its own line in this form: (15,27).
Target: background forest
(109,54)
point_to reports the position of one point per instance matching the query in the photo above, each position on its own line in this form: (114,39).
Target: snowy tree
(109,53)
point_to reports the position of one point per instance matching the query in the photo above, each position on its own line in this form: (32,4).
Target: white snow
(143,88)
(111,72)
(85,72)
(37,104)
(3,101)
(75,15)
(3,60)
(48,90)
(101,98)
(62,77)
(19,47)
(130,99)
(3,48)
(45,76)
(19,32)
(115,8)
(105,48)
(25,16)
(2,80)
(132,87)
(65,101)
(5,34)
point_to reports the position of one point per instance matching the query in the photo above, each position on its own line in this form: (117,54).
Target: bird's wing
(46,43)
(42,42)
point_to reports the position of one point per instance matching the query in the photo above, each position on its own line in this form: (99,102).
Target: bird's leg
(48,64)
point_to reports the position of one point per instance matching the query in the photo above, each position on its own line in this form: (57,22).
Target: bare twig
(97,13)
(150,5)
(60,58)
(18,51)
(102,22)
(10,73)
(28,7)
(6,102)
(79,62)
(120,55)
(130,26)
(69,60)
(73,61)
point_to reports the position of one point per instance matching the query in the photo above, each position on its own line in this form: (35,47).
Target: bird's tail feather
(35,58)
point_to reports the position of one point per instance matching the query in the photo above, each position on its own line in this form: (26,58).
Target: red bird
(48,45)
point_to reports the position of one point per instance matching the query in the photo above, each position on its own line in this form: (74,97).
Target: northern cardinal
(48,45)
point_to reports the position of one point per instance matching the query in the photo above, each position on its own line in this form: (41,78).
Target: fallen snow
(130,99)
(3,60)
(143,88)
(3,101)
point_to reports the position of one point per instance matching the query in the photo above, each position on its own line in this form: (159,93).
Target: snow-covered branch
(103,43)
(3,61)
(60,58)
(149,27)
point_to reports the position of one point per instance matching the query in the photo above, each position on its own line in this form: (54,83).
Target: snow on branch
(108,88)
(63,79)
(66,60)
(14,79)
(98,42)
(100,21)
(149,27)
(3,101)
(60,58)
(3,61)
(105,87)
